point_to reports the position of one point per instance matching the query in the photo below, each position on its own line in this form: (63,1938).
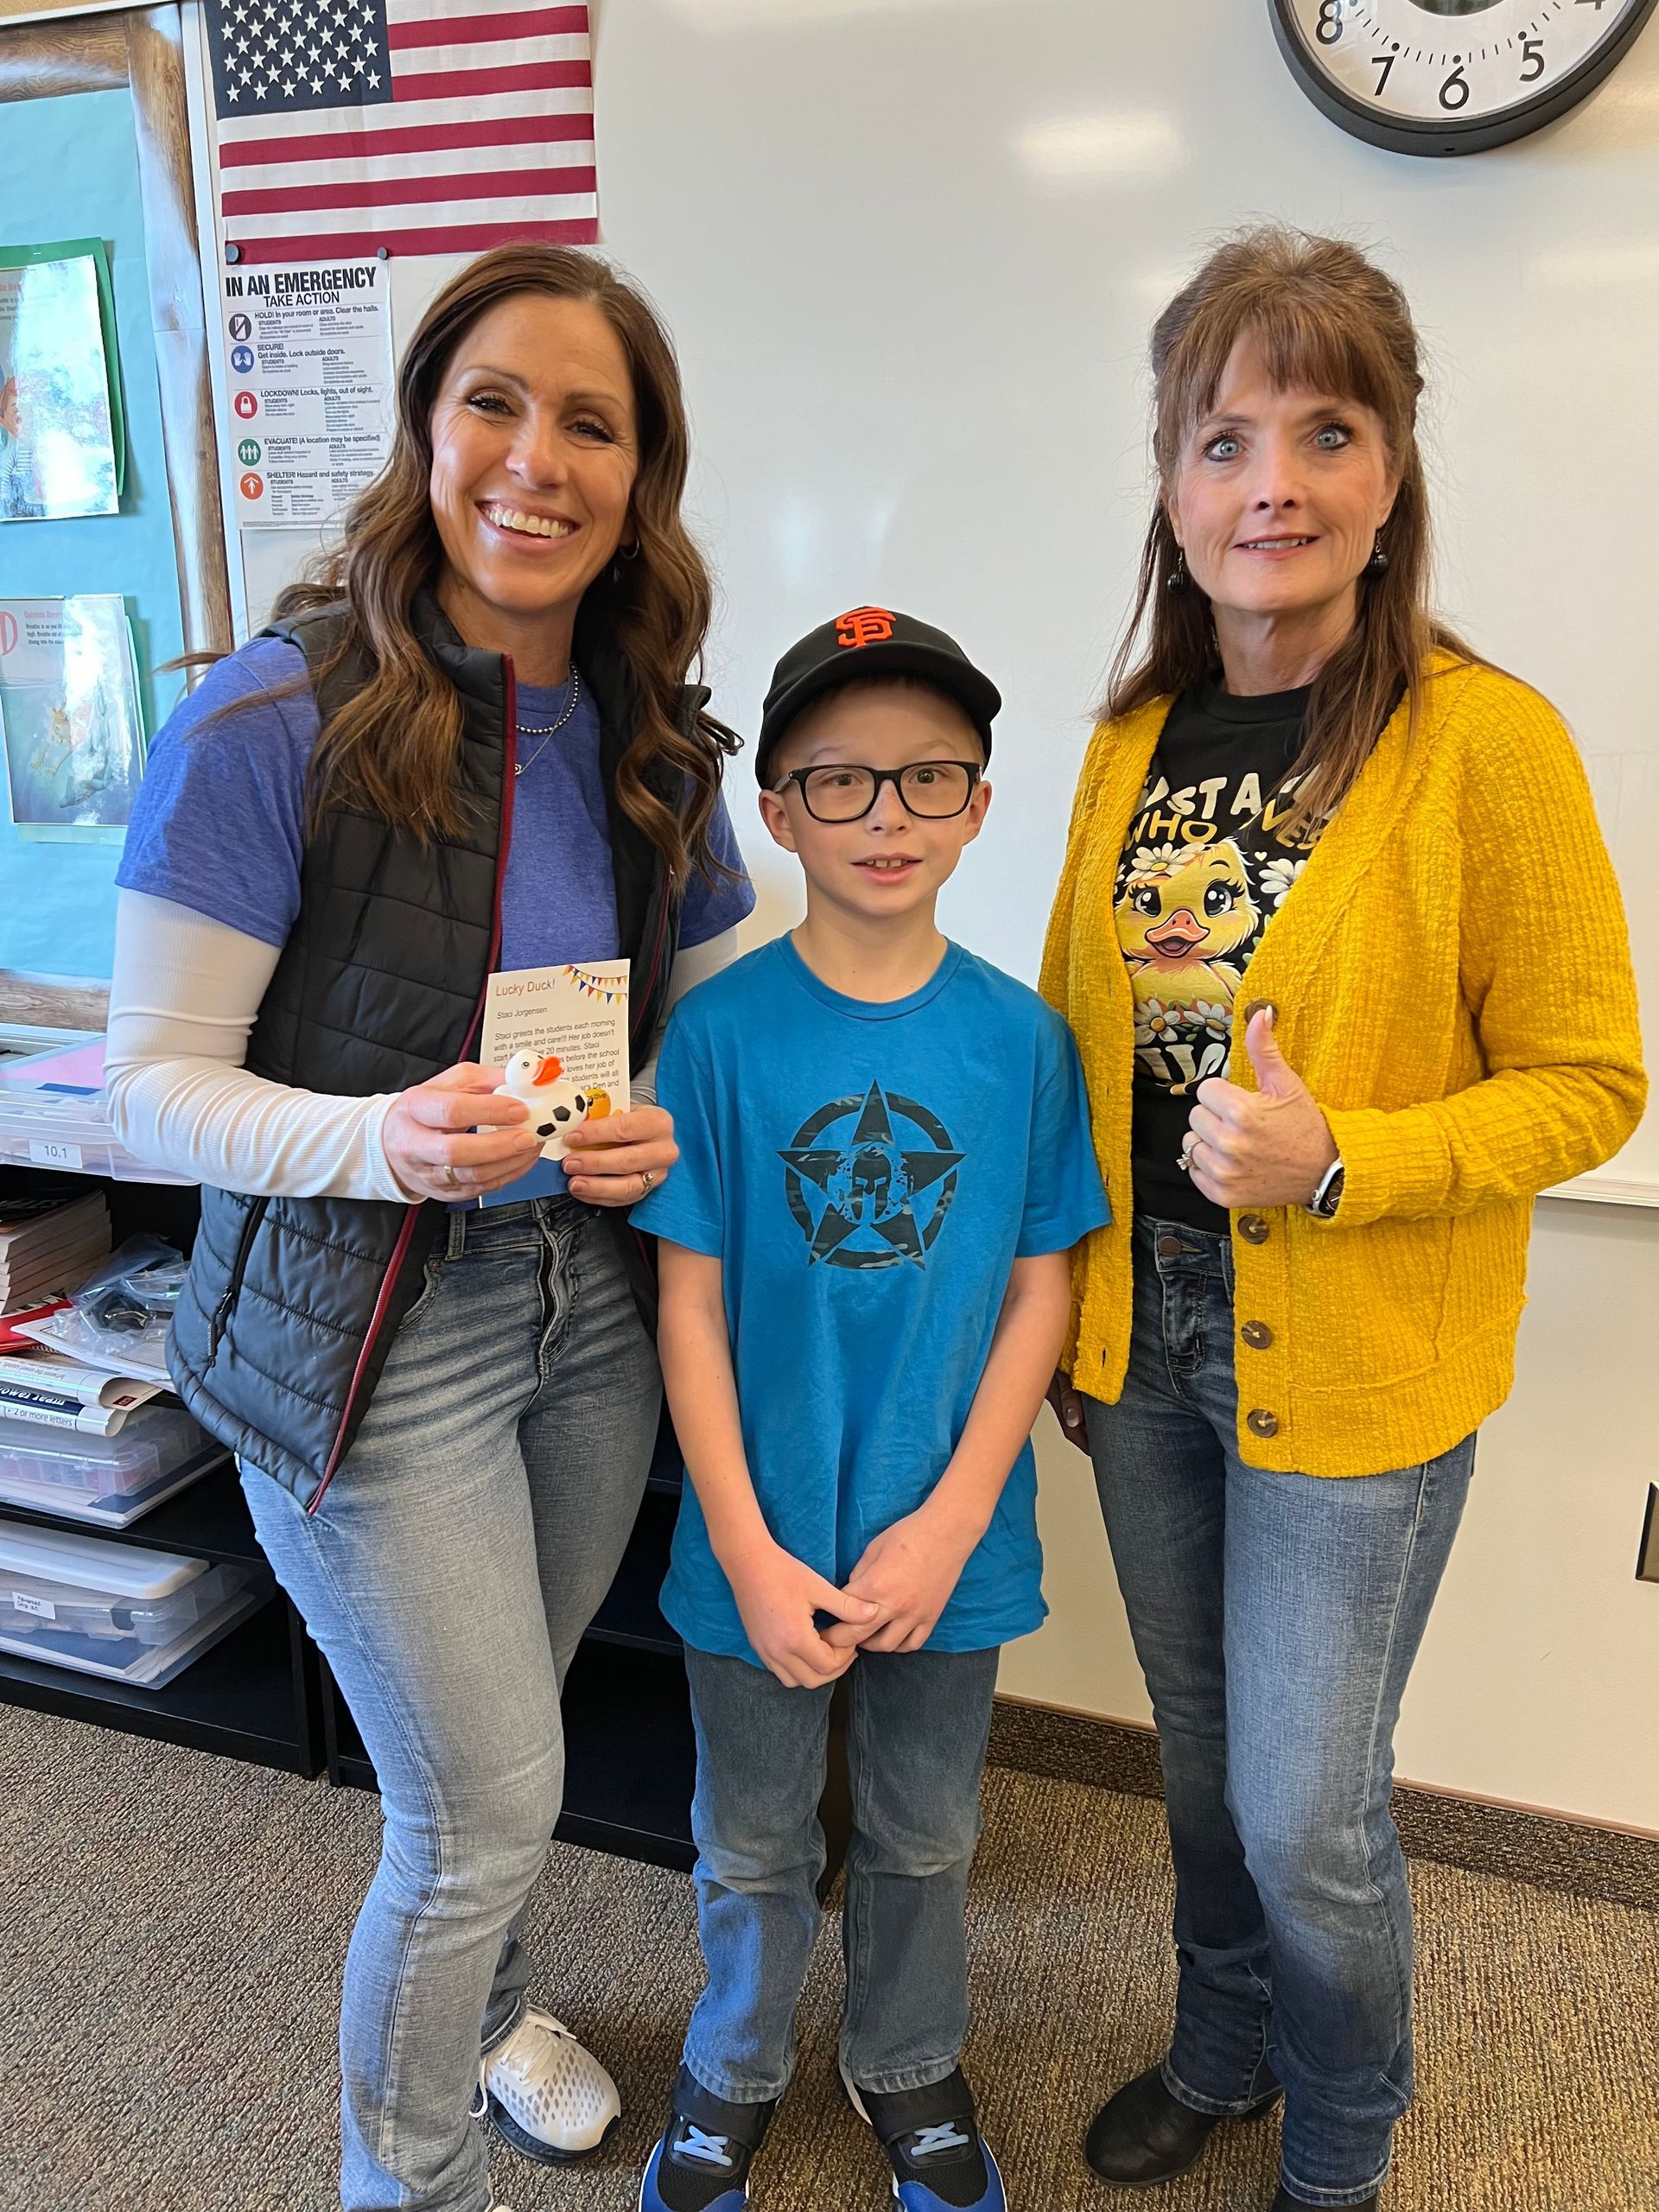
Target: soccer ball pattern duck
(556,1105)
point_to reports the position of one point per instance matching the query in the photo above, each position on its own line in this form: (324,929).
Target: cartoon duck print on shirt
(875,1194)
(1193,896)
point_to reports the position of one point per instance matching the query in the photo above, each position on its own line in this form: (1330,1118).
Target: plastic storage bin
(106,1480)
(113,1609)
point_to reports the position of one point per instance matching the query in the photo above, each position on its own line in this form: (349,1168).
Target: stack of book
(51,1238)
(41,1386)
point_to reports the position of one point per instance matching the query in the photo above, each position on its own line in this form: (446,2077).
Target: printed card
(562,1035)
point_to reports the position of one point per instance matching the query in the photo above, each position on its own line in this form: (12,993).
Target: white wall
(910,249)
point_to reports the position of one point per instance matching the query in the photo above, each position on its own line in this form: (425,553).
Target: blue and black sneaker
(701,2161)
(940,2161)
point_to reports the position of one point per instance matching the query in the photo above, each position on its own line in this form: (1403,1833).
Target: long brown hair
(391,748)
(1327,320)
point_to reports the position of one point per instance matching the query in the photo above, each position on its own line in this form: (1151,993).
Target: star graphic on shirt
(870,1181)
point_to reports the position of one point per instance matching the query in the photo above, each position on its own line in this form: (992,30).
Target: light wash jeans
(463,1548)
(1276,1618)
(918,1726)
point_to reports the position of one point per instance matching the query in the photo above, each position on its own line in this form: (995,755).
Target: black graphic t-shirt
(1202,874)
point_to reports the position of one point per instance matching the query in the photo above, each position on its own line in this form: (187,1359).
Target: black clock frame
(1407,134)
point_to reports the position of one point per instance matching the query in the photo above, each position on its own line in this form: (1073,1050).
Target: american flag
(424,126)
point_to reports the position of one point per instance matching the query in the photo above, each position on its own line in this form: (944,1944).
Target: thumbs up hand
(1264,1147)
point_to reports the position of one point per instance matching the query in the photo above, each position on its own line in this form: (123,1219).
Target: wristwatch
(1328,1196)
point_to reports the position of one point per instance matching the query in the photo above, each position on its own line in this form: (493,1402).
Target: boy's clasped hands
(893,1598)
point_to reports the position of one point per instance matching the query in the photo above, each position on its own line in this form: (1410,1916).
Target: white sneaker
(548,2097)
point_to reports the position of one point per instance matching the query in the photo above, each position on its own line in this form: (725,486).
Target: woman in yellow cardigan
(1348,966)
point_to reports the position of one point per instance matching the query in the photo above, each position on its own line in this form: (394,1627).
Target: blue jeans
(1276,1618)
(464,1544)
(918,1726)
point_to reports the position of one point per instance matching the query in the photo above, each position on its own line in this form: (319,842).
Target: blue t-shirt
(219,825)
(867,1174)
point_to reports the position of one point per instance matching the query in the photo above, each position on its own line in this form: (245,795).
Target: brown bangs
(1326,320)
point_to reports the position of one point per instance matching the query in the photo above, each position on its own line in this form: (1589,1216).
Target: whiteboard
(911,250)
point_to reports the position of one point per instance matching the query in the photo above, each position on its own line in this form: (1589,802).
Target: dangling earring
(1379,563)
(1178,580)
(623,553)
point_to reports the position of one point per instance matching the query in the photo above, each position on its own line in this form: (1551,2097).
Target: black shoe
(701,2161)
(940,2161)
(1143,2135)
(1285,2203)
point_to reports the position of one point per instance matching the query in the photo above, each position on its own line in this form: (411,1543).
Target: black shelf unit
(250,1697)
(255,1694)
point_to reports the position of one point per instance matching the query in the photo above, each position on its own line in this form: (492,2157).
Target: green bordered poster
(63,434)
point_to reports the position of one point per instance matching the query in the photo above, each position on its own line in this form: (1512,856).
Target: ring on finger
(450,1177)
(647,1179)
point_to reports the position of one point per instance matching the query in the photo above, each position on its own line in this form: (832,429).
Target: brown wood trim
(41,60)
(52,1001)
(142,47)
(28,13)
(162,123)
(1611,1864)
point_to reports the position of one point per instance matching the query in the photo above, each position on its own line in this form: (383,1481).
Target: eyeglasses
(933,791)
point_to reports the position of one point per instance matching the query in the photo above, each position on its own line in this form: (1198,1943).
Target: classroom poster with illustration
(62,434)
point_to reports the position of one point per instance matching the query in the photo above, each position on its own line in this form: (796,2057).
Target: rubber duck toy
(556,1106)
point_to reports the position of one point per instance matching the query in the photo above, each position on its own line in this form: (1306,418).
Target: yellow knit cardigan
(1452,982)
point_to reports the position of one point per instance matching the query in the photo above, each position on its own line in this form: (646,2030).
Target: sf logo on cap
(865,625)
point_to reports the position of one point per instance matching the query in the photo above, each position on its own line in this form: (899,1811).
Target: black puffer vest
(291,1304)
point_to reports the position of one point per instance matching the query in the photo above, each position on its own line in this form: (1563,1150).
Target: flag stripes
(489,136)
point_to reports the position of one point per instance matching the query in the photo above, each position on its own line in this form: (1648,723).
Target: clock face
(1452,76)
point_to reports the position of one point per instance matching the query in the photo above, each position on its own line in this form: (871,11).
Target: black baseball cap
(870,641)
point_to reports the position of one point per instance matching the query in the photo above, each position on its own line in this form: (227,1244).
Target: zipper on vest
(394,1266)
(238,1269)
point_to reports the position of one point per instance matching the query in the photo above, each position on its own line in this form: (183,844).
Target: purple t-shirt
(219,826)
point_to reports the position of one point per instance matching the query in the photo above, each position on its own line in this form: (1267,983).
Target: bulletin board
(94,144)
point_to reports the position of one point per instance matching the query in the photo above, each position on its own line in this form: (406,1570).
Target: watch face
(1452,70)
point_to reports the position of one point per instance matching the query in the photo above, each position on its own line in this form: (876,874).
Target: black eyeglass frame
(975,770)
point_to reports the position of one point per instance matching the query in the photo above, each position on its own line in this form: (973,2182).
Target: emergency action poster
(310,355)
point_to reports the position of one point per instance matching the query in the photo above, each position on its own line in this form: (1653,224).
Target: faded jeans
(462,1549)
(1276,1618)
(918,1726)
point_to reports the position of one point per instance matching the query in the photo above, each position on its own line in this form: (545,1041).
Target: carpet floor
(172,1928)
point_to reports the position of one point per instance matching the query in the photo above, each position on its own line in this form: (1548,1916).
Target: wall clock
(1452,76)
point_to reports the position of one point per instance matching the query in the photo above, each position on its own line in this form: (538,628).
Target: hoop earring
(1178,579)
(623,553)
(1379,563)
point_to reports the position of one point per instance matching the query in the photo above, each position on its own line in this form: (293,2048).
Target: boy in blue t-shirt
(884,1161)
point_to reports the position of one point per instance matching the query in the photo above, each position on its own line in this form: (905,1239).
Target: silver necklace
(548,731)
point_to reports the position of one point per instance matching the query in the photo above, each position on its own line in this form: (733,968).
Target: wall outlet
(1647,1558)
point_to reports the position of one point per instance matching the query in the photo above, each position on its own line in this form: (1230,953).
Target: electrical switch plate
(1647,1558)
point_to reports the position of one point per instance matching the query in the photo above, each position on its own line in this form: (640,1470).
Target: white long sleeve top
(183,1000)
